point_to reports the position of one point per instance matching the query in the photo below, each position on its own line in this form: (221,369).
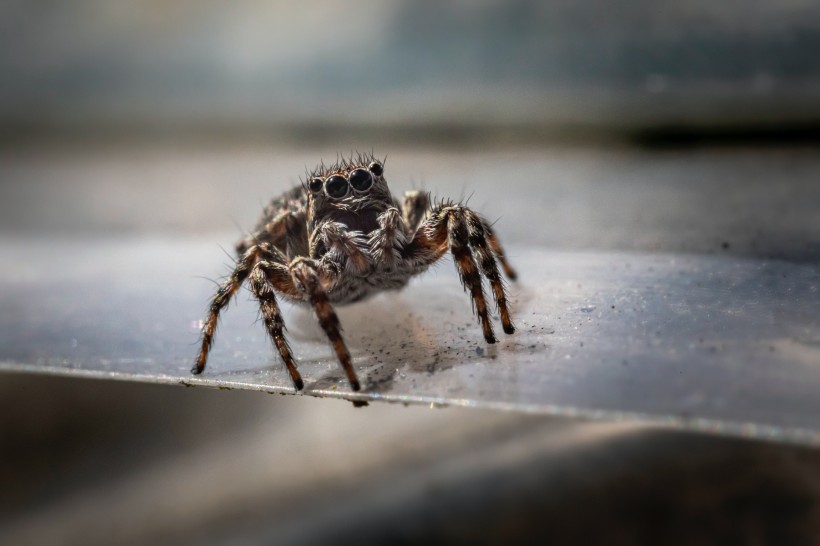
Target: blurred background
(679,127)
(409,69)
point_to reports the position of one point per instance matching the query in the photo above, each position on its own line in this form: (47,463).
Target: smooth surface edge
(715,427)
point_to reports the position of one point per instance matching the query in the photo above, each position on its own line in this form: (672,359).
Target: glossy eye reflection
(376,168)
(361,180)
(315,184)
(336,186)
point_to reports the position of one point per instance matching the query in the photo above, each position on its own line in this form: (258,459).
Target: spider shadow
(391,337)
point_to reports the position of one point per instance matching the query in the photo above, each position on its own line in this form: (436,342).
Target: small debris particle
(725,245)
(479,351)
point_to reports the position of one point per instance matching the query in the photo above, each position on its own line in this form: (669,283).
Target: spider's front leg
(264,279)
(222,297)
(465,233)
(246,266)
(307,278)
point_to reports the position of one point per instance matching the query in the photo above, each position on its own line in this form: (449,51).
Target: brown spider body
(341,237)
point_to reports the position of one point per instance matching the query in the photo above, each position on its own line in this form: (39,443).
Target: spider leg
(479,243)
(244,266)
(458,238)
(263,288)
(306,278)
(463,232)
(498,251)
(447,227)
(222,297)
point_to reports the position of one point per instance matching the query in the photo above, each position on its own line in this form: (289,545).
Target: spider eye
(376,168)
(315,184)
(361,180)
(336,186)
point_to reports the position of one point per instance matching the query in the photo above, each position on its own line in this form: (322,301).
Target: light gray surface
(678,338)
(617,318)
(758,203)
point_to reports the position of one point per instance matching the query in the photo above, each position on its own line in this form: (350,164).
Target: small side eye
(376,168)
(336,186)
(361,180)
(315,184)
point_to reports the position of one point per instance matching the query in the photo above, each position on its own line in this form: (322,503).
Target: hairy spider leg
(446,228)
(304,272)
(263,287)
(498,251)
(222,297)
(478,242)
(275,274)
(458,239)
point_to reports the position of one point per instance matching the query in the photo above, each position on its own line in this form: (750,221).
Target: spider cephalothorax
(341,237)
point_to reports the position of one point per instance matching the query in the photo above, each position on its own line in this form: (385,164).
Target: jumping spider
(340,237)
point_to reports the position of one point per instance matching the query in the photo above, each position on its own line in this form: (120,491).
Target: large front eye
(361,180)
(315,184)
(336,186)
